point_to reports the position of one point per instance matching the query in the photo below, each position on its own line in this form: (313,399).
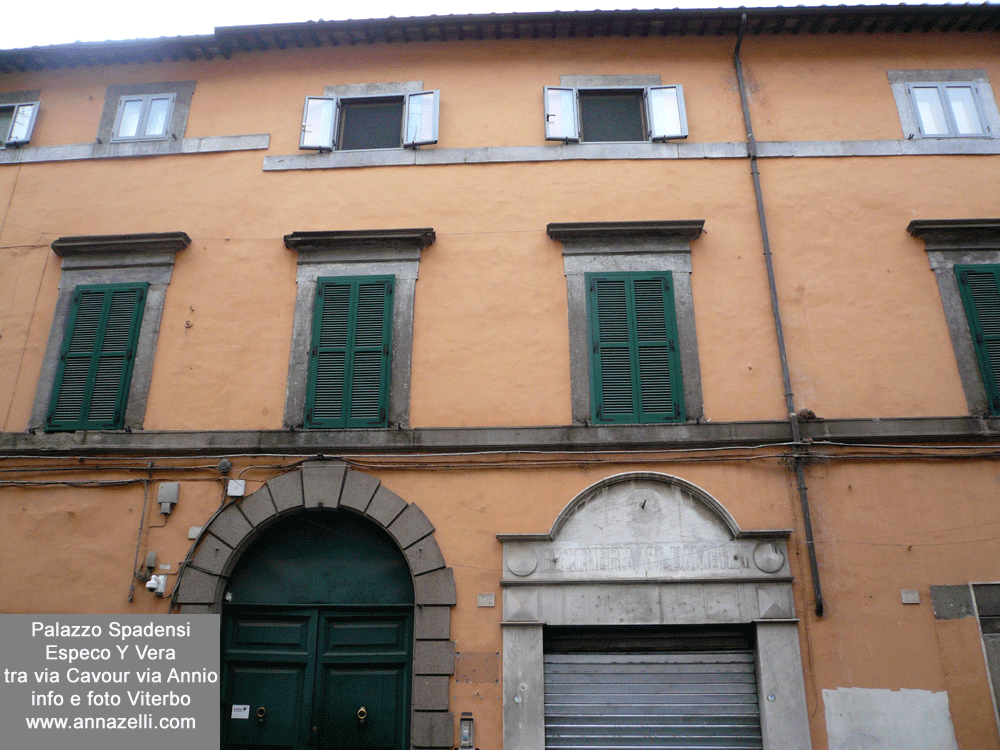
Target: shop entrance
(317,637)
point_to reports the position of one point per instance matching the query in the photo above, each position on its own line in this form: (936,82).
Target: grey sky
(64,21)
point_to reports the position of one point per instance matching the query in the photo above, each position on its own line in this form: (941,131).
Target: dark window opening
(371,123)
(612,116)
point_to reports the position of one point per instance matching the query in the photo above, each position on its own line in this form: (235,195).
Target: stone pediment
(644,526)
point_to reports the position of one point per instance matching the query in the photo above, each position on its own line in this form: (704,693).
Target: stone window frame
(636,247)
(952,242)
(183,92)
(318,485)
(111,259)
(388,252)
(899,81)
(766,606)
(10,98)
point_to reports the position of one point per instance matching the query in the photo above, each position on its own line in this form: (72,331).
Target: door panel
(312,670)
(346,692)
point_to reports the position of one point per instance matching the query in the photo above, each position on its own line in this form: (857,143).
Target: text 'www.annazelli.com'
(141,721)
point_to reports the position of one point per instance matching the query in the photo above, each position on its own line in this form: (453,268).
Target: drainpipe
(799,449)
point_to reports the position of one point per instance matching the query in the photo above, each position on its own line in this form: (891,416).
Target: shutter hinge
(979,338)
(385,350)
(597,345)
(592,286)
(381,415)
(129,354)
(672,346)
(390,288)
(309,417)
(312,353)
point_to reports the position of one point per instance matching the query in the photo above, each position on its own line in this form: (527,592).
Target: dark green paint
(319,625)
(635,367)
(350,354)
(980,290)
(91,386)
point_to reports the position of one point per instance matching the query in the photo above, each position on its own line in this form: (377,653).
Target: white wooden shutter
(561,119)
(319,123)
(421,118)
(667,117)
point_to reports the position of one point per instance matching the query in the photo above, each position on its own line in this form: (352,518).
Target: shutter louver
(635,363)
(349,363)
(91,387)
(980,288)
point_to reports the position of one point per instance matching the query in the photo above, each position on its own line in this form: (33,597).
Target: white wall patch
(865,719)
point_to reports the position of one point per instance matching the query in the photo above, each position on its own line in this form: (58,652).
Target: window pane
(6,113)
(928,103)
(611,116)
(421,125)
(963,109)
(156,122)
(22,119)
(317,125)
(129,125)
(371,123)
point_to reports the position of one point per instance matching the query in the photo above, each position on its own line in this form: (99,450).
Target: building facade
(529,381)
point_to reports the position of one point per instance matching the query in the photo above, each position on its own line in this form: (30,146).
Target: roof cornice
(228,41)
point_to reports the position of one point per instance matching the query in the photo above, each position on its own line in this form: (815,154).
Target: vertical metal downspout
(799,449)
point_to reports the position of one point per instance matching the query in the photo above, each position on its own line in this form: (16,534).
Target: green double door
(317,678)
(317,634)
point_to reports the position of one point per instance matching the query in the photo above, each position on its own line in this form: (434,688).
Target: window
(143,118)
(350,354)
(16,123)
(980,290)
(353,123)
(596,115)
(95,366)
(140,118)
(635,365)
(633,347)
(352,335)
(945,103)
(99,359)
(965,257)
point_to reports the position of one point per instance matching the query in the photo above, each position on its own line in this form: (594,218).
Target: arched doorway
(218,554)
(316,638)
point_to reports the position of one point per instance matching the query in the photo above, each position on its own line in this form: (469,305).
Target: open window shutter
(21,124)
(421,118)
(349,359)
(667,117)
(980,289)
(561,121)
(319,123)
(95,368)
(635,365)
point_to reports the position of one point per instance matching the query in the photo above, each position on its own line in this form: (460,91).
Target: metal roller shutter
(682,695)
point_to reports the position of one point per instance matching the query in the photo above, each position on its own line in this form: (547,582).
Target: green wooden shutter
(635,361)
(350,354)
(95,366)
(980,288)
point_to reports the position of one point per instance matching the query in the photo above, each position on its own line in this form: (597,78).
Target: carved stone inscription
(643,560)
(641,528)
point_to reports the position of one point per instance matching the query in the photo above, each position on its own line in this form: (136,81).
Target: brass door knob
(260,714)
(362,715)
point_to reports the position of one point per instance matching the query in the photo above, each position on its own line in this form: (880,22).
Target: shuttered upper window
(635,362)
(95,365)
(349,359)
(980,290)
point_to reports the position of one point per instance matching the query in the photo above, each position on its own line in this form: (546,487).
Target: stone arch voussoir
(202,582)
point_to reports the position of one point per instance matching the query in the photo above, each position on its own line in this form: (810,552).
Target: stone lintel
(161,242)
(625,230)
(957,234)
(394,239)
